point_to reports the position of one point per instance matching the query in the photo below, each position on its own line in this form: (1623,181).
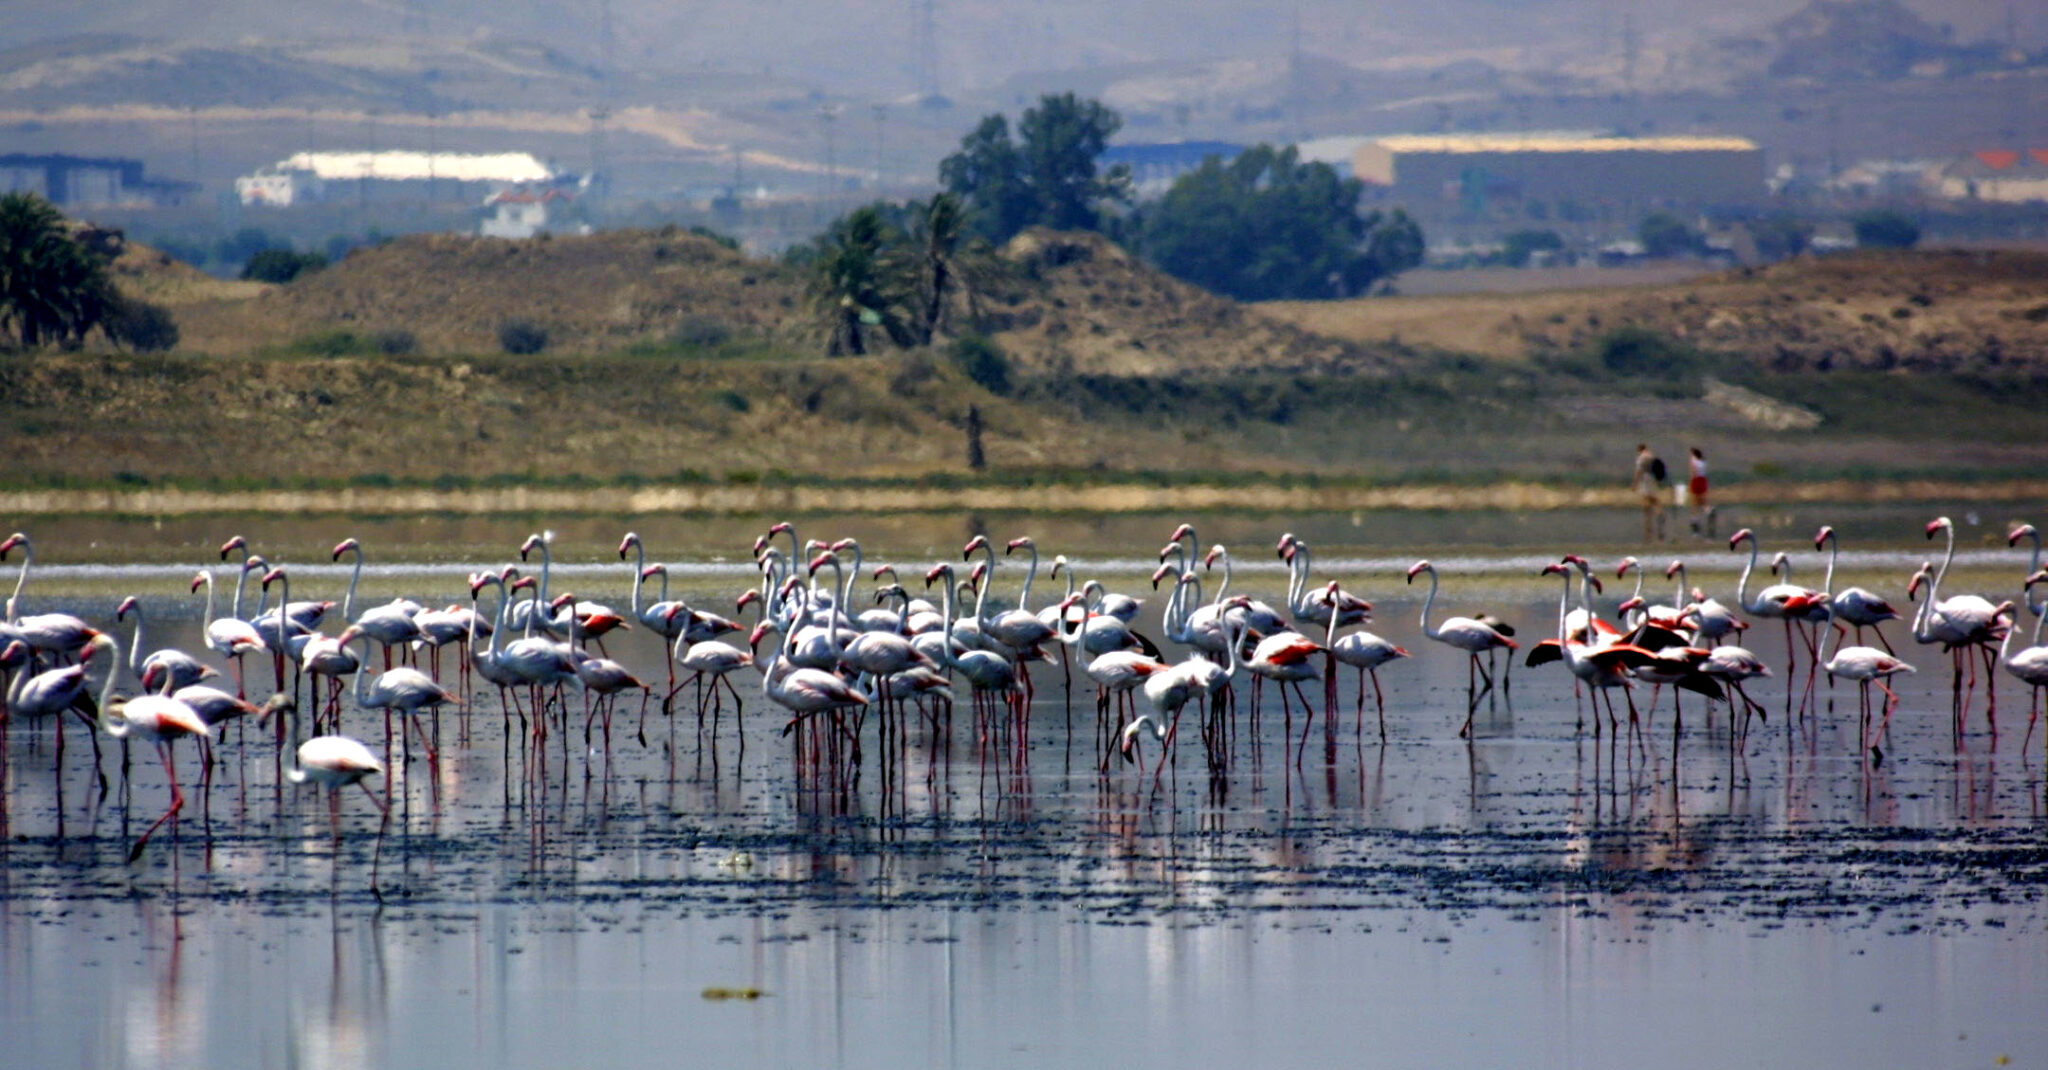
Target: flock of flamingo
(832,663)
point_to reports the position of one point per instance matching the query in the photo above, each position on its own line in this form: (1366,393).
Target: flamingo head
(152,673)
(2003,609)
(844,545)
(747,597)
(1553,569)
(932,576)
(525,583)
(1330,591)
(669,614)
(1185,531)
(1821,537)
(1913,585)
(780,526)
(477,581)
(1735,540)
(819,562)
(508,573)
(793,583)
(2024,531)
(1058,563)
(14,653)
(561,600)
(1673,569)
(1286,544)
(197,580)
(653,570)
(980,573)
(1626,564)
(886,570)
(1633,603)
(1779,561)
(236,543)
(1209,559)
(979,542)
(345,546)
(631,540)
(255,563)
(1287,554)
(1160,573)
(760,546)
(12,541)
(1169,548)
(2038,577)
(754,637)
(94,645)
(1940,523)
(127,606)
(1021,542)
(271,577)
(1584,565)
(348,635)
(531,544)
(894,590)
(1418,567)
(274,705)
(1597,587)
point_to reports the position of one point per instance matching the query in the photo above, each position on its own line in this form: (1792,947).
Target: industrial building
(316,176)
(86,181)
(1481,178)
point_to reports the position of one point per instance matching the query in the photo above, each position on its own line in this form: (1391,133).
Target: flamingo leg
(177,802)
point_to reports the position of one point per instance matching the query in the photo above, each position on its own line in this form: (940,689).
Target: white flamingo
(1463,633)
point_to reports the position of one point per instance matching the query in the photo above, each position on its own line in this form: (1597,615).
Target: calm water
(1535,897)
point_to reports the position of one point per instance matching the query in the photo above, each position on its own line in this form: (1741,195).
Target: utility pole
(881,114)
(829,115)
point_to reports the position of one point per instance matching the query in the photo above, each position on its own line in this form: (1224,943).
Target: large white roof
(396,165)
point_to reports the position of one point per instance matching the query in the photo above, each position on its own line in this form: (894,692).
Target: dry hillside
(1925,311)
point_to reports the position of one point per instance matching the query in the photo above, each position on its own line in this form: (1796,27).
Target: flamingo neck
(355,576)
(1030,573)
(1827,583)
(28,558)
(1429,603)
(135,645)
(208,573)
(1742,585)
(639,579)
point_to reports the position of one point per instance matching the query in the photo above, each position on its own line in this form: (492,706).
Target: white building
(305,176)
(518,213)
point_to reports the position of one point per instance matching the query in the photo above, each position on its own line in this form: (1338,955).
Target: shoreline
(1102,498)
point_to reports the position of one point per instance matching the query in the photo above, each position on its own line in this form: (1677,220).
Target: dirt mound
(590,293)
(1085,305)
(1932,311)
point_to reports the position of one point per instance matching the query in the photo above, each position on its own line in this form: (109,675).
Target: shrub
(1883,228)
(281,265)
(139,325)
(1523,244)
(700,332)
(1664,234)
(394,341)
(1640,351)
(983,361)
(522,337)
(734,400)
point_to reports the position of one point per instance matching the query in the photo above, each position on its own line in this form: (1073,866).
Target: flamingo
(2029,666)
(1362,650)
(453,624)
(2026,531)
(229,636)
(1961,621)
(335,762)
(1258,617)
(988,673)
(1712,621)
(1731,665)
(50,633)
(58,690)
(714,659)
(404,689)
(487,662)
(1600,665)
(1316,607)
(1466,634)
(1866,665)
(1770,602)
(157,719)
(165,669)
(1668,617)
(390,624)
(1283,657)
(1853,605)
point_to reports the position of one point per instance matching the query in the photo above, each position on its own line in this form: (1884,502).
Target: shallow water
(1538,896)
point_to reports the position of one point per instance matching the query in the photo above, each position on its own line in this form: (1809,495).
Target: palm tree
(855,285)
(946,258)
(52,289)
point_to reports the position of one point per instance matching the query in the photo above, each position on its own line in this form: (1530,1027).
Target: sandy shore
(910,498)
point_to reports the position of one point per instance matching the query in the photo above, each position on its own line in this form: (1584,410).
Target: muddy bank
(1103,498)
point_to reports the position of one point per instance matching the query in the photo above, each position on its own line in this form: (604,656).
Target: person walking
(1649,481)
(1696,494)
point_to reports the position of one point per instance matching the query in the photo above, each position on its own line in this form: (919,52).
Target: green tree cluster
(1265,225)
(281,265)
(1666,235)
(1885,228)
(54,290)
(1045,175)
(1521,245)
(899,272)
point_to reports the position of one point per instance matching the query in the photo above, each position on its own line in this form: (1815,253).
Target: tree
(281,265)
(1523,244)
(1044,177)
(52,288)
(1664,234)
(139,325)
(944,259)
(856,287)
(1883,228)
(1265,225)
(1780,236)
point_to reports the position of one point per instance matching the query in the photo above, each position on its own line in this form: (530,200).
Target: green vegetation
(139,325)
(1666,235)
(855,286)
(1521,245)
(52,288)
(1883,228)
(1780,236)
(1045,176)
(522,337)
(281,265)
(982,361)
(1266,226)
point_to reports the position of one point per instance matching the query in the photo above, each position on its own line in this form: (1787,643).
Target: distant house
(2008,175)
(519,213)
(1487,176)
(82,181)
(312,176)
